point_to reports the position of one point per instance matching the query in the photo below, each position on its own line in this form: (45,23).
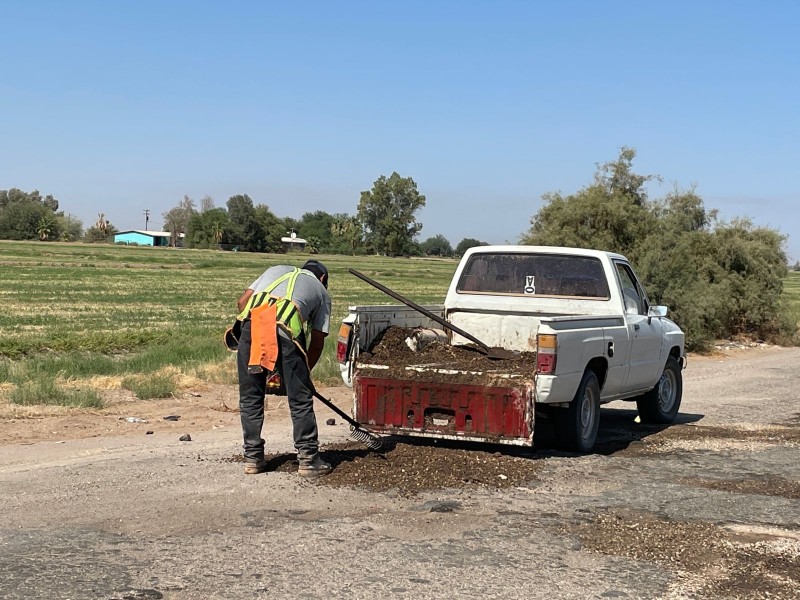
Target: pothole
(765,485)
(711,561)
(694,437)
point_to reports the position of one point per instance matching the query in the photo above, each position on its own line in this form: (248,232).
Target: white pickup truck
(584,314)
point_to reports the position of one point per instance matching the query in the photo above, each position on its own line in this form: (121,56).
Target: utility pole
(146,217)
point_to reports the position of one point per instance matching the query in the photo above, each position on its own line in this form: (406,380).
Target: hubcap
(667,389)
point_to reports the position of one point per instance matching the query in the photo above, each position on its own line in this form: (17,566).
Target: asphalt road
(706,508)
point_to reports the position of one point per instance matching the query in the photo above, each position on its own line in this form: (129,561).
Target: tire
(661,404)
(577,425)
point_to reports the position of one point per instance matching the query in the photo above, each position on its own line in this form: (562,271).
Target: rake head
(367,438)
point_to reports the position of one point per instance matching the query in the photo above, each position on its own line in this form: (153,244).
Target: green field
(78,319)
(791,291)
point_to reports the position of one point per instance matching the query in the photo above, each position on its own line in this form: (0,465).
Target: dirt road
(707,508)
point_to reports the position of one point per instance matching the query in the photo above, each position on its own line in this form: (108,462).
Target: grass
(46,391)
(85,313)
(791,292)
(148,387)
(791,288)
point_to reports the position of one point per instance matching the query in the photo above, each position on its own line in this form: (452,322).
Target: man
(275,312)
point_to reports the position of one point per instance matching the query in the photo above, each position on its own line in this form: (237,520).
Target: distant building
(292,242)
(146,238)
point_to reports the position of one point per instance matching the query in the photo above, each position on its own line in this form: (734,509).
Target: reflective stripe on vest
(287,310)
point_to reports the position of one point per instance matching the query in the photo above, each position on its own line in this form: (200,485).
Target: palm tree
(217,232)
(313,244)
(102,223)
(44,228)
(350,229)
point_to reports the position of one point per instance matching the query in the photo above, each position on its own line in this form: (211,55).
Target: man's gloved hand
(231,337)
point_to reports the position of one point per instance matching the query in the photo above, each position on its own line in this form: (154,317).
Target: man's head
(319,270)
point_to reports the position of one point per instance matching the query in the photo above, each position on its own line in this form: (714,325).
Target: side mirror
(657,311)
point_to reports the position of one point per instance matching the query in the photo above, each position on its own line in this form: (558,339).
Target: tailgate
(500,412)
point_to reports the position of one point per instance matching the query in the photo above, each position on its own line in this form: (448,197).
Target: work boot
(313,466)
(256,467)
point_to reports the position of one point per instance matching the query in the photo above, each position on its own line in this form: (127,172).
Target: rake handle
(337,410)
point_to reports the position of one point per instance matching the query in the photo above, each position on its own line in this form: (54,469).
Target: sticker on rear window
(530,288)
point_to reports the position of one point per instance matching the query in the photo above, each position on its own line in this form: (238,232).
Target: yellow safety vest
(288,313)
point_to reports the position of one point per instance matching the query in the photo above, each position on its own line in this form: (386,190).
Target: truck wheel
(661,404)
(577,425)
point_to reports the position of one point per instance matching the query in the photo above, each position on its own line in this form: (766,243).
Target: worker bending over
(282,312)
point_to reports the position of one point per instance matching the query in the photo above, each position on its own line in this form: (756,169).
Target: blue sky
(117,107)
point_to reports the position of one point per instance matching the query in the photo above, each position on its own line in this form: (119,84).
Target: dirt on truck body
(445,391)
(455,364)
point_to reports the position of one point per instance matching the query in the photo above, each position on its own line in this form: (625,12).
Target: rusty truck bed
(439,402)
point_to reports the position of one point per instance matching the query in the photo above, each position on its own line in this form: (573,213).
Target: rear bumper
(489,414)
(555,389)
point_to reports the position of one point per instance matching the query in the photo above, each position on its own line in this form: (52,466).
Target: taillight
(342,342)
(546,353)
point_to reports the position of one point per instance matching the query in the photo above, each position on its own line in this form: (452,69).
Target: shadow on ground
(619,429)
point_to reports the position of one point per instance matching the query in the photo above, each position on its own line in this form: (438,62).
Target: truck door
(618,354)
(645,334)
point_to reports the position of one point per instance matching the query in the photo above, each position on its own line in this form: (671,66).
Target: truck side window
(635,304)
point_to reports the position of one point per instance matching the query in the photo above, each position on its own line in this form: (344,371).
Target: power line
(146,217)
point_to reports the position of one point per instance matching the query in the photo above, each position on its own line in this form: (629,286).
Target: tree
(21,214)
(44,228)
(466,244)
(269,230)
(347,229)
(70,226)
(241,213)
(217,231)
(313,244)
(50,203)
(290,224)
(610,214)
(102,224)
(719,280)
(318,225)
(254,228)
(19,220)
(387,214)
(176,220)
(209,228)
(436,246)
(206,203)
(617,177)
(97,235)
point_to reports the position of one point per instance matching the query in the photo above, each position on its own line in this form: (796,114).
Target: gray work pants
(252,387)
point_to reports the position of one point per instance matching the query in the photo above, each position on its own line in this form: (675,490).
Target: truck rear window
(534,275)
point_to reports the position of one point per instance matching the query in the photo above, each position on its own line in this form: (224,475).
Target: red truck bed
(440,407)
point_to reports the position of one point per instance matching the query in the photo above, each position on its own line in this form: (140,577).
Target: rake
(357,431)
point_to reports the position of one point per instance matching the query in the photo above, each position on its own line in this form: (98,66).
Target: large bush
(719,279)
